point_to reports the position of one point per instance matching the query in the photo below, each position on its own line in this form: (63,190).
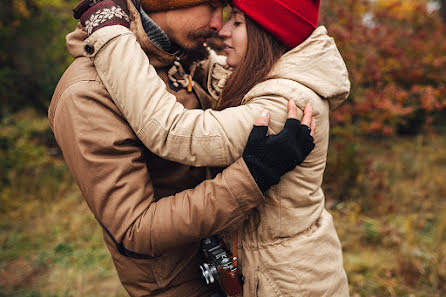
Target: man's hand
(268,157)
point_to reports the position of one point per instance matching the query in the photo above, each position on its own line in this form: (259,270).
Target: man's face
(190,27)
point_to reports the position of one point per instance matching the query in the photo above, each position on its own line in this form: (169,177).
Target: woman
(288,246)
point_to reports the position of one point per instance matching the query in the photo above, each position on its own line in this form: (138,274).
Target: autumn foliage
(396,55)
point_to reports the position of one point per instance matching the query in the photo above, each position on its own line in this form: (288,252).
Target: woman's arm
(195,137)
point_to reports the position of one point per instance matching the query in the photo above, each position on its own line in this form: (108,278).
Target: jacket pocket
(272,283)
(177,261)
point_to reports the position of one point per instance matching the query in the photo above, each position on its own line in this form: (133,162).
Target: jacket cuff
(99,38)
(242,186)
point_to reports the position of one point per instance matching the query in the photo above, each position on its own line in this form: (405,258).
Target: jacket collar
(158,58)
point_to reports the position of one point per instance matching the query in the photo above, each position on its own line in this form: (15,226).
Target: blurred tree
(32,51)
(443,10)
(398,6)
(396,52)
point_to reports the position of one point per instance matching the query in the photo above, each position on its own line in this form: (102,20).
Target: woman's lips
(228,49)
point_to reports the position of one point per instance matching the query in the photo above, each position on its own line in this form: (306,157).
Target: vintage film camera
(218,267)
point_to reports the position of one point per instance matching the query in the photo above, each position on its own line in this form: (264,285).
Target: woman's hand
(268,157)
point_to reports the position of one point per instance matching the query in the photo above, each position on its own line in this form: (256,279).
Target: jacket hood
(75,41)
(317,64)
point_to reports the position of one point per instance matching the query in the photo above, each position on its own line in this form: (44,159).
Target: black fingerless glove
(268,157)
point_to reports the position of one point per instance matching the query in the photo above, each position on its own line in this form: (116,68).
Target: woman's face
(235,38)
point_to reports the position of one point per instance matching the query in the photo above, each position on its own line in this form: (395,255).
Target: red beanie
(291,21)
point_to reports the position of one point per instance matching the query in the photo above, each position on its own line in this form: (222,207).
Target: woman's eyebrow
(237,14)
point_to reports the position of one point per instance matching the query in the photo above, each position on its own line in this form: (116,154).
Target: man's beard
(199,52)
(196,54)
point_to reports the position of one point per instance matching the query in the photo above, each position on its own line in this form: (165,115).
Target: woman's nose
(224,32)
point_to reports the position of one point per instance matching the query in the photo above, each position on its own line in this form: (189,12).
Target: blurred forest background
(385,180)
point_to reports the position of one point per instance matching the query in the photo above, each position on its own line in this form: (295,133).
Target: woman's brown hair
(263,51)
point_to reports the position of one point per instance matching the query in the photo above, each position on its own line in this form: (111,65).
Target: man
(153,212)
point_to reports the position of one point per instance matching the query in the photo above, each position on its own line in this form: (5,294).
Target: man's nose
(216,20)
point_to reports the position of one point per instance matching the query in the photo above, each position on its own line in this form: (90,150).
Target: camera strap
(234,250)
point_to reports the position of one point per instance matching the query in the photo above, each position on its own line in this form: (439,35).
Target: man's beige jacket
(288,246)
(152,224)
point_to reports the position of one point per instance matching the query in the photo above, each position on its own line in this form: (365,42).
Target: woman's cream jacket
(288,246)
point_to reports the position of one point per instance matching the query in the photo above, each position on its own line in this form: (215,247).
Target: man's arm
(108,163)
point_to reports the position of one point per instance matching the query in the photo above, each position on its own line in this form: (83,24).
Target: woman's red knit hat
(291,21)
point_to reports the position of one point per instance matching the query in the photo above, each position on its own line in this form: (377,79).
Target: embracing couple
(171,143)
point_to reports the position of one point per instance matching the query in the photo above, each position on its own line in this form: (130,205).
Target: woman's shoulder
(284,89)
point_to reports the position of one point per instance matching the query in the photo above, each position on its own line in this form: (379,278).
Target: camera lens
(209,272)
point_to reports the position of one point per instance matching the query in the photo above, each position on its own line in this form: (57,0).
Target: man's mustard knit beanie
(159,5)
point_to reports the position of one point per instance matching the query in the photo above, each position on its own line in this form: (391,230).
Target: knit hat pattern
(291,21)
(161,5)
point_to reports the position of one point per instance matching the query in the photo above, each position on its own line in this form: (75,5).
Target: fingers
(308,115)
(292,109)
(263,119)
(313,126)
(307,119)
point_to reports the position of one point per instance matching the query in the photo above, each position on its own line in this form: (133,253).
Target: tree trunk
(443,10)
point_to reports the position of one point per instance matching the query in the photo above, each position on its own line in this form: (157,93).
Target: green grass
(387,197)
(394,233)
(50,243)
(55,249)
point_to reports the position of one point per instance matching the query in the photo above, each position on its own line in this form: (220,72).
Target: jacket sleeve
(194,137)
(109,164)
